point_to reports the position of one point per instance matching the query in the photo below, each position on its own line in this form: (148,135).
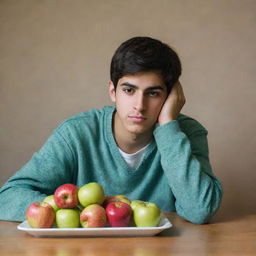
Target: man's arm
(47,169)
(184,157)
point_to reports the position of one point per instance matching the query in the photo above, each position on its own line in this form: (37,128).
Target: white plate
(92,232)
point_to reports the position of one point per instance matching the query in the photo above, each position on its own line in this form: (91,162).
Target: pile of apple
(88,207)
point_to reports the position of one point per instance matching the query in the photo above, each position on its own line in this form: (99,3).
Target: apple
(146,214)
(93,216)
(91,193)
(50,200)
(68,218)
(135,203)
(123,198)
(119,214)
(109,199)
(40,215)
(66,196)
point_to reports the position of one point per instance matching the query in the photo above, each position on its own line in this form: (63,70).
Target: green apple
(135,203)
(68,218)
(50,200)
(146,214)
(91,193)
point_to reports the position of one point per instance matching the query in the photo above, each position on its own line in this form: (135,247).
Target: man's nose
(139,103)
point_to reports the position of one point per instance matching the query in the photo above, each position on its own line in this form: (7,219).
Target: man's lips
(136,118)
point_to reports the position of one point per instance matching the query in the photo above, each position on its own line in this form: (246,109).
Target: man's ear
(112,91)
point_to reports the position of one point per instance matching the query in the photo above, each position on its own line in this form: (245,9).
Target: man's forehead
(143,79)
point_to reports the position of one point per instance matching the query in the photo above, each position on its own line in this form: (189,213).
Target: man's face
(139,99)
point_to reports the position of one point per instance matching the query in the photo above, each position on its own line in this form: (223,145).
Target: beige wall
(54,62)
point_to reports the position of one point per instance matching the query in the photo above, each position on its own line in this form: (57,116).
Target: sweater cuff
(170,129)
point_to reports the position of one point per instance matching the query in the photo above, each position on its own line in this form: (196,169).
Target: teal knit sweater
(175,172)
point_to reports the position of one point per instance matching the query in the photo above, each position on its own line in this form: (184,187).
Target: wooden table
(229,237)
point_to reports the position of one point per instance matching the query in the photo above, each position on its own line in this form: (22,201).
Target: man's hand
(173,105)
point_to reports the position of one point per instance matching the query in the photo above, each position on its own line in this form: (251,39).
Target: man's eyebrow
(128,84)
(153,87)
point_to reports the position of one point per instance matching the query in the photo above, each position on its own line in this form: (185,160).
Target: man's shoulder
(190,125)
(92,117)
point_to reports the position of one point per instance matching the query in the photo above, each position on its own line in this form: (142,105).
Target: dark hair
(142,54)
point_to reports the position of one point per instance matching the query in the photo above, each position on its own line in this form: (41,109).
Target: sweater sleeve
(47,169)
(185,161)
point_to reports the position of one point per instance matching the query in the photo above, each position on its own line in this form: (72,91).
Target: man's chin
(139,129)
(136,129)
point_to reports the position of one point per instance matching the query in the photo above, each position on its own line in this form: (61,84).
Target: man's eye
(153,94)
(128,90)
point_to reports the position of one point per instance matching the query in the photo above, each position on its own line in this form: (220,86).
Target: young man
(142,148)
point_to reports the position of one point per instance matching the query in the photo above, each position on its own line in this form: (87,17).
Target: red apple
(40,215)
(93,216)
(108,199)
(119,214)
(66,196)
(117,198)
